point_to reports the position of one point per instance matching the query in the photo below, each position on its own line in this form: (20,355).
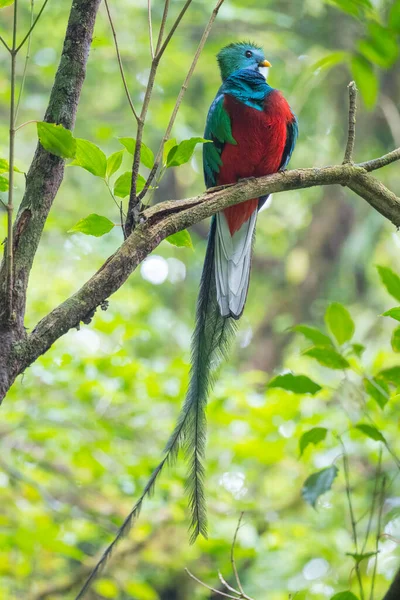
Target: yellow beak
(265,63)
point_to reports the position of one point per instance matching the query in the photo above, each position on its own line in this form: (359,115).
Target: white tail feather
(232,264)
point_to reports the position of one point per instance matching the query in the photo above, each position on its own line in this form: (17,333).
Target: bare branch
(383,161)
(218,592)
(150,28)
(32,27)
(233,562)
(7,47)
(162,26)
(181,94)
(160,51)
(28,52)
(351,136)
(121,68)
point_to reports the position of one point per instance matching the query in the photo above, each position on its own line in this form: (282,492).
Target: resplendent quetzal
(253,131)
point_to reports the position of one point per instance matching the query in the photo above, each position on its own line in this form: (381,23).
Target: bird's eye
(249,53)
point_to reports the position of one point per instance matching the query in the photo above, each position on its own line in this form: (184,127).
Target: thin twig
(226,584)
(162,26)
(32,27)
(181,94)
(351,136)
(150,28)
(2,40)
(378,533)
(233,562)
(160,51)
(121,68)
(28,51)
(352,518)
(374,496)
(209,587)
(382,161)
(26,123)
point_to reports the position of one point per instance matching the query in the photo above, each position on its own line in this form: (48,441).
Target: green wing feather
(219,130)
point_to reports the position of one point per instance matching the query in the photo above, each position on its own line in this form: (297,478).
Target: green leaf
(394,16)
(390,280)
(360,557)
(3,184)
(122,187)
(140,589)
(4,3)
(313,436)
(339,322)
(390,375)
(93,225)
(299,384)
(90,157)
(347,595)
(106,588)
(381,46)
(313,334)
(366,80)
(146,155)
(393,312)
(56,139)
(378,390)
(395,341)
(371,432)
(114,162)
(183,152)
(181,239)
(318,483)
(327,357)
(5,167)
(169,144)
(358,349)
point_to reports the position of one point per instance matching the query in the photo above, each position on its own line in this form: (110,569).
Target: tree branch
(351,136)
(172,216)
(46,172)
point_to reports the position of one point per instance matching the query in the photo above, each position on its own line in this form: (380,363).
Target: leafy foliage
(93,224)
(318,484)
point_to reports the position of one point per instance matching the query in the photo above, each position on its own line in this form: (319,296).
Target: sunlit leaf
(318,483)
(182,153)
(330,60)
(395,341)
(371,432)
(93,225)
(391,375)
(169,144)
(106,588)
(3,184)
(355,8)
(4,3)
(327,357)
(56,139)
(313,436)
(378,390)
(339,322)
(114,162)
(313,334)
(299,384)
(366,80)
(347,595)
(140,589)
(5,167)
(90,157)
(146,154)
(122,187)
(393,312)
(180,239)
(390,280)
(358,349)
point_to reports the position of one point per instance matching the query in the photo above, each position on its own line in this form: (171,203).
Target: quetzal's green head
(242,55)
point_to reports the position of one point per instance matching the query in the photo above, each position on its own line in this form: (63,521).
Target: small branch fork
(135,199)
(239,593)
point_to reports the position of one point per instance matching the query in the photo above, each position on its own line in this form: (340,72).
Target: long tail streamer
(210,344)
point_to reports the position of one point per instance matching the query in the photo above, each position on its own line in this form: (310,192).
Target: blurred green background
(83,428)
